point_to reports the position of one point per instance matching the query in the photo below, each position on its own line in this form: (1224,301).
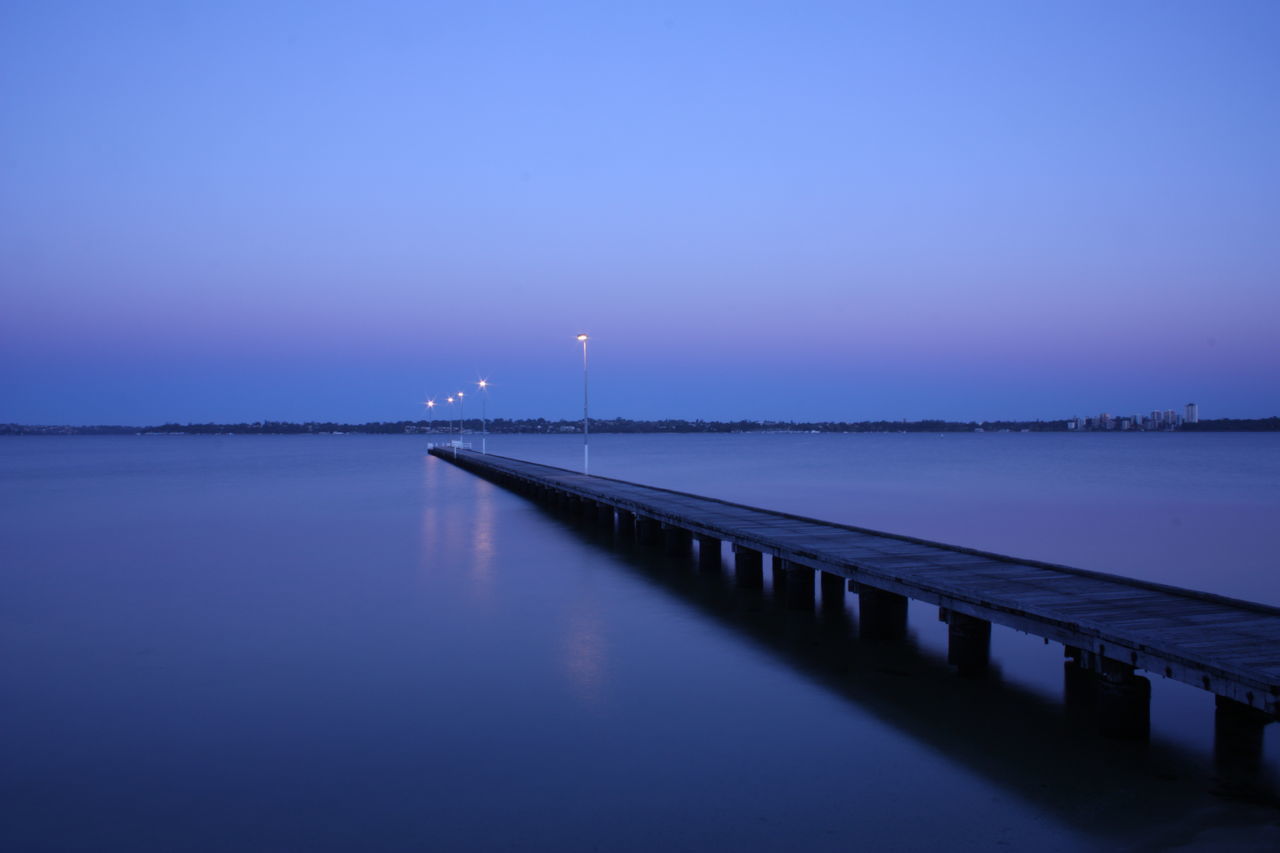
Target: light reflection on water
(585,655)
(482,544)
(241,627)
(431,511)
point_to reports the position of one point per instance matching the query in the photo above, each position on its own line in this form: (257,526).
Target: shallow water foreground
(232,643)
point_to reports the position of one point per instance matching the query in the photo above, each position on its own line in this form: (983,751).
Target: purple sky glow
(978,210)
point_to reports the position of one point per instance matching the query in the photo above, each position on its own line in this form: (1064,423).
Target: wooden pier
(1111,626)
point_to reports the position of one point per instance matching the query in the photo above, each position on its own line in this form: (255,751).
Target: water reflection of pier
(1111,627)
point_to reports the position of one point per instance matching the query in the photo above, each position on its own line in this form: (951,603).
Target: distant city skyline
(1157,420)
(827,211)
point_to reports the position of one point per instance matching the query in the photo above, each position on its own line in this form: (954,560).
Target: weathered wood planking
(1227,646)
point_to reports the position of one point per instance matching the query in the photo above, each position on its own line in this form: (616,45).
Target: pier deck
(1111,624)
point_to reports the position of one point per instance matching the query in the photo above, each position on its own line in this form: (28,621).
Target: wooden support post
(748,567)
(648,530)
(678,540)
(832,587)
(1124,701)
(626,524)
(968,643)
(882,615)
(709,553)
(793,584)
(604,514)
(1079,684)
(1237,746)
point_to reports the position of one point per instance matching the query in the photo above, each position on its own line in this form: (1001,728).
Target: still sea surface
(319,643)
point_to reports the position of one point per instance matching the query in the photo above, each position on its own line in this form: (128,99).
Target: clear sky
(225,211)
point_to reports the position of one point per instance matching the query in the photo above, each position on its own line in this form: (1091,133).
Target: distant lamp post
(453,441)
(586,421)
(483,385)
(431,416)
(462,415)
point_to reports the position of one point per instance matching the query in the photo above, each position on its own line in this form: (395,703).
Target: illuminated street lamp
(431,416)
(453,441)
(586,422)
(484,406)
(462,415)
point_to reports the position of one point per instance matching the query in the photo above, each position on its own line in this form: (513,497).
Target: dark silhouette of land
(616,425)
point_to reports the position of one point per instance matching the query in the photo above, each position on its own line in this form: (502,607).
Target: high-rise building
(1193,413)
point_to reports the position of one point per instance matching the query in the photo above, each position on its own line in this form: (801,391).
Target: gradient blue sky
(266,210)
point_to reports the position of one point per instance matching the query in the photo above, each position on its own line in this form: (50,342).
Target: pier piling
(882,615)
(648,530)
(793,584)
(1124,701)
(709,556)
(968,643)
(1238,746)
(832,586)
(748,567)
(677,540)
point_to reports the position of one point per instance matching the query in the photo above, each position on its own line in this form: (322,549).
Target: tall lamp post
(484,421)
(462,416)
(586,421)
(431,416)
(455,447)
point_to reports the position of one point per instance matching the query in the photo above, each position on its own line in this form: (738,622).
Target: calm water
(336,643)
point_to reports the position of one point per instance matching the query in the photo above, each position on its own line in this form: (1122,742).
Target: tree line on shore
(615,425)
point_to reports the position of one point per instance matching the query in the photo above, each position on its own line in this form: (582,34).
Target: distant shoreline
(541,426)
